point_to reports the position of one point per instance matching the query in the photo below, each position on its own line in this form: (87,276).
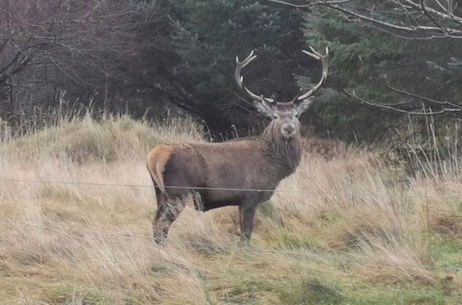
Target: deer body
(242,173)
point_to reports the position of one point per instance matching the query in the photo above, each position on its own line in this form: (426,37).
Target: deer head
(284,115)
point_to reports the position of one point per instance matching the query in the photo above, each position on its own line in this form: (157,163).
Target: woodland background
(152,59)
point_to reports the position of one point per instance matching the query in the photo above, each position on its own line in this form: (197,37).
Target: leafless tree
(88,48)
(34,34)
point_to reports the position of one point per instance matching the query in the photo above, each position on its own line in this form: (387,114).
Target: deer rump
(222,174)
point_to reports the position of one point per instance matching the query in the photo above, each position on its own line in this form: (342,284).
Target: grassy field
(350,230)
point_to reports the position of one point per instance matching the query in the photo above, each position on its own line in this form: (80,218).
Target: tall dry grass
(91,243)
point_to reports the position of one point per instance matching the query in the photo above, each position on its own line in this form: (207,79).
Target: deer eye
(275,116)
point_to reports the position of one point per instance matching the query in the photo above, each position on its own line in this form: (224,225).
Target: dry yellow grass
(349,226)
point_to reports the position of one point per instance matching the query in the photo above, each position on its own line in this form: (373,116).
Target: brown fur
(157,159)
(223,174)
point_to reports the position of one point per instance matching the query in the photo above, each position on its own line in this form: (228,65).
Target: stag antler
(325,62)
(240,80)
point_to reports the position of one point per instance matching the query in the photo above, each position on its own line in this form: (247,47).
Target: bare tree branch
(312,3)
(424,21)
(442,104)
(396,109)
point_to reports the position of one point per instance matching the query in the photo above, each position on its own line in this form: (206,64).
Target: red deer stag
(243,172)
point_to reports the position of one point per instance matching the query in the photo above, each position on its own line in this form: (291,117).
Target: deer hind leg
(168,210)
(198,202)
(246,215)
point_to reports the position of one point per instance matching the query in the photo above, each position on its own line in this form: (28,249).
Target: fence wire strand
(229,189)
(299,253)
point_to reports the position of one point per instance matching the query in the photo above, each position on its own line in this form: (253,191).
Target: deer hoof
(160,241)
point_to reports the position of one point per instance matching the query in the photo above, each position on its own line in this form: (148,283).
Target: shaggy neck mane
(284,153)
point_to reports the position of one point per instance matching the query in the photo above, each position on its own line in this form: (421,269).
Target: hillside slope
(75,228)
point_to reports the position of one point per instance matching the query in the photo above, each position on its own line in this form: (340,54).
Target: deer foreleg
(246,215)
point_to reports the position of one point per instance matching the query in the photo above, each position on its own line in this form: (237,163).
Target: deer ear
(264,108)
(304,105)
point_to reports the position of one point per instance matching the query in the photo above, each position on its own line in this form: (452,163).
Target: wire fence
(343,258)
(147,186)
(199,188)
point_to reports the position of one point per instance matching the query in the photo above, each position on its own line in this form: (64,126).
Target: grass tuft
(311,292)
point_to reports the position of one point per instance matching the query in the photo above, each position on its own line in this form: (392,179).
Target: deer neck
(285,154)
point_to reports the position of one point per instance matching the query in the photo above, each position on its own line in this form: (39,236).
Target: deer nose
(288,129)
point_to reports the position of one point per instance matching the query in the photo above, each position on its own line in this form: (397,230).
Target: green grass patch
(410,295)
(446,252)
(328,217)
(310,292)
(72,294)
(281,238)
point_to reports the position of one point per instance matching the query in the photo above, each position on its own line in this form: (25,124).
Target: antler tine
(240,79)
(247,60)
(325,63)
(295,98)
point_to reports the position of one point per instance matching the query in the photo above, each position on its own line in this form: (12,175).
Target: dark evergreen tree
(369,62)
(212,33)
